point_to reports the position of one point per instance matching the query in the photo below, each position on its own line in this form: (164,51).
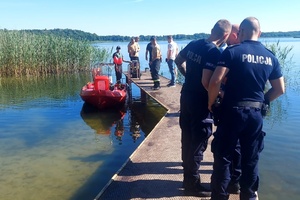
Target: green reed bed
(32,54)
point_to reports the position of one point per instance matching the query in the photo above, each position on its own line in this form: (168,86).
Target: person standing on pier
(155,62)
(134,49)
(247,67)
(149,52)
(195,131)
(235,165)
(118,61)
(137,39)
(171,55)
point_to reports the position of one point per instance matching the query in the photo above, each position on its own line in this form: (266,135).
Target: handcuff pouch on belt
(265,108)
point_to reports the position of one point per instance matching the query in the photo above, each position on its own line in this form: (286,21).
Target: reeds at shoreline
(23,54)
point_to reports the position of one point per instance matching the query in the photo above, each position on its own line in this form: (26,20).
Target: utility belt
(264,107)
(251,104)
(217,108)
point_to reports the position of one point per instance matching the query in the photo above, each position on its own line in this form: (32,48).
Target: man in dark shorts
(191,61)
(247,67)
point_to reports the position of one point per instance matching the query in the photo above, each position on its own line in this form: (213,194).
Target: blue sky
(146,17)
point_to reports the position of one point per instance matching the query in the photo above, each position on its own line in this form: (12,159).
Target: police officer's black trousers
(243,124)
(195,133)
(235,165)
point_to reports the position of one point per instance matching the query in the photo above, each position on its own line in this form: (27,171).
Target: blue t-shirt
(199,55)
(250,65)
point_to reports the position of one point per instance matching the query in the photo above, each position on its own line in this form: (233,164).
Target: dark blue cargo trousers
(243,124)
(194,133)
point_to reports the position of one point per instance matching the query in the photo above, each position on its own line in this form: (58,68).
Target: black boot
(156,85)
(194,188)
(233,188)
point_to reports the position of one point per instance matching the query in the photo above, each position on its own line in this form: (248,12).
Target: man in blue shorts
(247,66)
(191,61)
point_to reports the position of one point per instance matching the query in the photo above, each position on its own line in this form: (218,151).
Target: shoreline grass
(23,54)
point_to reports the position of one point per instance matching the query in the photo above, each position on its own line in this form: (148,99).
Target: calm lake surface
(53,146)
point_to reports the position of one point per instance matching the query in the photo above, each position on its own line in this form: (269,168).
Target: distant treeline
(92,37)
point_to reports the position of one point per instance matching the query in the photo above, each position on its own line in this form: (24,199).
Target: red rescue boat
(102,94)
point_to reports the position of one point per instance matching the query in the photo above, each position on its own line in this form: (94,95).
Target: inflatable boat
(102,94)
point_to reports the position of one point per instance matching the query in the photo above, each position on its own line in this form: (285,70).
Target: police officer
(191,61)
(235,165)
(247,66)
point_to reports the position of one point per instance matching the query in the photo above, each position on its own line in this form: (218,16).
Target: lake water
(53,146)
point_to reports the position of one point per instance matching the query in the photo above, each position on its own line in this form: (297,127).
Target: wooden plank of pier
(154,170)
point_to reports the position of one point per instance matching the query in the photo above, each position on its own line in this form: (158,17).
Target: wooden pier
(154,169)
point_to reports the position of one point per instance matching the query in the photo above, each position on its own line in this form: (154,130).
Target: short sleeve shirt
(250,65)
(199,55)
(172,46)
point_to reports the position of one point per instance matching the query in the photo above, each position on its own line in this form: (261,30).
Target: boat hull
(106,97)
